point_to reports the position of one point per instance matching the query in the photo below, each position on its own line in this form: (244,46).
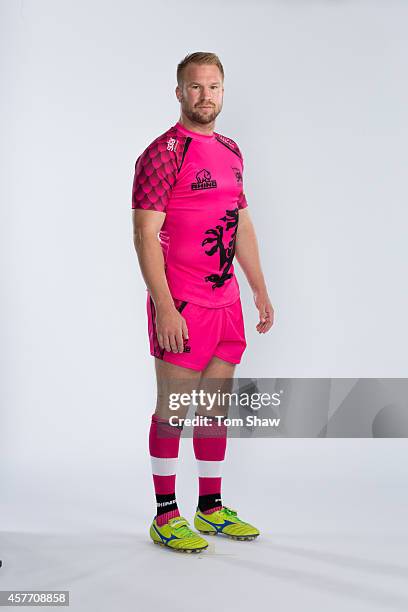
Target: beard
(202,116)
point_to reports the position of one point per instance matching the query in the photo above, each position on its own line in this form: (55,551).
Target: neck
(207,129)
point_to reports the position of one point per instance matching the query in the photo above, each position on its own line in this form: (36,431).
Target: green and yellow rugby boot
(177,535)
(224,521)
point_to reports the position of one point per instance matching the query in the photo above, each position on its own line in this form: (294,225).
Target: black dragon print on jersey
(225,253)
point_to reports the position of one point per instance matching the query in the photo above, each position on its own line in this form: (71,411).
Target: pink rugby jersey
(197,181)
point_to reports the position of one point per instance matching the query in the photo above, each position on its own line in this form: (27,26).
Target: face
(201,92)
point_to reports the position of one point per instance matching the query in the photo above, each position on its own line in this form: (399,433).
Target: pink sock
(164,442)
(209,444)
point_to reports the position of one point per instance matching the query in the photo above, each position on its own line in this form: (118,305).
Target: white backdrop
(316,97)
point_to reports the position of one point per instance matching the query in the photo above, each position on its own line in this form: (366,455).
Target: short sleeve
(242,201)
(154,178)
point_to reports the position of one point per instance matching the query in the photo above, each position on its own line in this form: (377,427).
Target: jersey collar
(209,138)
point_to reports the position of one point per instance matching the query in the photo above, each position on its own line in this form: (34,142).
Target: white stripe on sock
(209,469)
(164,466)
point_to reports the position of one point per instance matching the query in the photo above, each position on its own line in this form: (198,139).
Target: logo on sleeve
(204,180)
(172,144)
(238,174)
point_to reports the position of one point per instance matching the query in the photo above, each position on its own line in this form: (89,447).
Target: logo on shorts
(204,180)
(187,348)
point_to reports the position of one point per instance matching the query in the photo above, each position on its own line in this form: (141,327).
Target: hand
(171,329)
(266,312)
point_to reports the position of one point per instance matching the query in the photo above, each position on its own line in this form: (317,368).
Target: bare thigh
(173,379)
(216,378)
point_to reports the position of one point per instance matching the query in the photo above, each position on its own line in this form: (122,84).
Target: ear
(179,95)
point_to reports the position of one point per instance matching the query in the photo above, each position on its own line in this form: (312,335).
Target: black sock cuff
(166,503)
(206,502)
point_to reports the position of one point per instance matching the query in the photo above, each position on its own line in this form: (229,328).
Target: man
(190,218)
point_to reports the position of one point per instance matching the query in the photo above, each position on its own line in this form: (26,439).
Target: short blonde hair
(199,57)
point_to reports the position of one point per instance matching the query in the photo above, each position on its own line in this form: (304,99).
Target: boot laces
(229,511)
(181,530)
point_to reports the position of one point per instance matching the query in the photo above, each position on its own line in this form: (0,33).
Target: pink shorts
(212,332)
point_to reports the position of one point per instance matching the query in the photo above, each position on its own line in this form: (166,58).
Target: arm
(171,325)
(247,255)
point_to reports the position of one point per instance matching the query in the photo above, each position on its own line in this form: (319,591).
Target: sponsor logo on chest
(204,180)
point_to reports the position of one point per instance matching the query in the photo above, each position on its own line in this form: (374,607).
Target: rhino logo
(203,180)
(203,175)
